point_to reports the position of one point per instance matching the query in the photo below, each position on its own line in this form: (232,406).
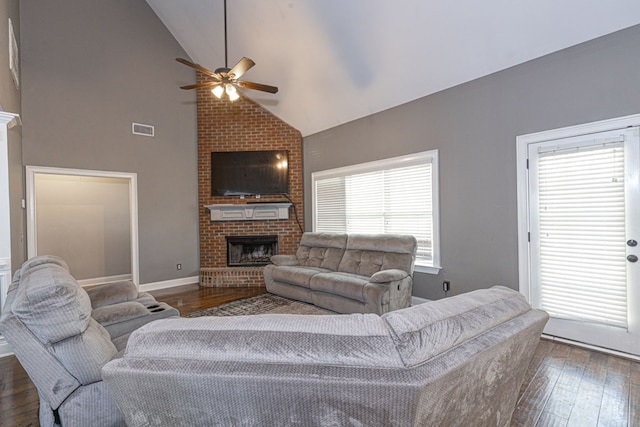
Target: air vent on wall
(144,130)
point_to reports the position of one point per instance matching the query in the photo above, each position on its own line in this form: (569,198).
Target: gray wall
(90,69)
(10,101)
(474,126)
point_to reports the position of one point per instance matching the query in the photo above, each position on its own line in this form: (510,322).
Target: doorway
(579,200)
(89,218)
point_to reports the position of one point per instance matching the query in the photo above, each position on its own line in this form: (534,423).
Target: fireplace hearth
(246,251)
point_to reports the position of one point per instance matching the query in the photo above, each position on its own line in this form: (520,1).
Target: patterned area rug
(262,304)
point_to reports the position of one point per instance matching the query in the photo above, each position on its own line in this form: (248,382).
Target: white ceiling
(338,60)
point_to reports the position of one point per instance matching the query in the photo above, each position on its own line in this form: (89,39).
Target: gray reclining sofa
(459,361)
(347,273)
(63,335)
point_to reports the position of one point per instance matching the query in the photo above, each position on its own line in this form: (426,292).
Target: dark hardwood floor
(565,385)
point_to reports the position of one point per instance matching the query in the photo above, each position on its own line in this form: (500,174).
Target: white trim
(376,165)
(427,270)
(592,347)
(32,249)
(5,349)
(6,121)
(522,180)
(154,286)
(103,280)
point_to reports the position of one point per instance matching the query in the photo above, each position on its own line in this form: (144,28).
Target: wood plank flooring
(564,386)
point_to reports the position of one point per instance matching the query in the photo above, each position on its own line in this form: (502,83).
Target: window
(396,195)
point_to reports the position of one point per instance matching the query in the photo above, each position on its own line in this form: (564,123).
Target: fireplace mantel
(249,211)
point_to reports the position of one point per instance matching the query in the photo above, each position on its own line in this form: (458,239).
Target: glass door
(584,214)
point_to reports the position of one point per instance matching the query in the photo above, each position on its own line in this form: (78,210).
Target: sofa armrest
(112,293)
(285,260)
(385,276)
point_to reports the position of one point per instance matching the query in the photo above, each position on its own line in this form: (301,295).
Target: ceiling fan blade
(256,86)
(241,67)
(199,85)
(198,67)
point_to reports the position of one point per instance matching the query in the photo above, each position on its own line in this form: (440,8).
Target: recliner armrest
(285,260)
(112,293)
(386,276)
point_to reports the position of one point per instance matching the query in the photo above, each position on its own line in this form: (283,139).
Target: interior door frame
(522,185)
(132,178)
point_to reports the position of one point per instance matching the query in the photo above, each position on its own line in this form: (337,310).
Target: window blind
(388,200)
(582,233)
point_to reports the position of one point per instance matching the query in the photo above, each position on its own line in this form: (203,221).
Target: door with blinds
(584,214)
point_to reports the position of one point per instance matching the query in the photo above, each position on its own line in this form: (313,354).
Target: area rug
(262,304)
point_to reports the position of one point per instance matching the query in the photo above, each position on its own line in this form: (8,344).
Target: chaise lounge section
(453,362)
(347,273)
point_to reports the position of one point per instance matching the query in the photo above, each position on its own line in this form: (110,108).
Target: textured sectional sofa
(353,273)
(63,335)
(459,361)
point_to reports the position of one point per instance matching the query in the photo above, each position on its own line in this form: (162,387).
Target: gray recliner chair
(54,327)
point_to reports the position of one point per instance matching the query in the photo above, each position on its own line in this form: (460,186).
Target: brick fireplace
(243,126)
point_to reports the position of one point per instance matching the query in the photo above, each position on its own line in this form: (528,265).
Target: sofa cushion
(368,254)
(51,303)
(116,313)
(344,284)
(284,260)
(322,250)
(338,340)
(428,329)
(296,275)
(43,259)
(83,355)
(112,293)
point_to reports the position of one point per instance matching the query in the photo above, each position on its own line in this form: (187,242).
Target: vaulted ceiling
(338,60)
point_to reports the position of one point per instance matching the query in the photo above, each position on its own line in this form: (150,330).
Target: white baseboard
(634,357)
(5,348)
(418,300)
(101,280)
(154,286)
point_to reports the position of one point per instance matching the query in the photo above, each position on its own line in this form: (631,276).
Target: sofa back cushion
(322,250)
(426,330)
(367,254)
(51,304)
(41,260)
(360,340)
(85,354)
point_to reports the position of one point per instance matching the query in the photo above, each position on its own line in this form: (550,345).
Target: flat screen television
(243,173)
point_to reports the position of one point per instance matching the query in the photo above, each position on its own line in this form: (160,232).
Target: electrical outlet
(179,267)
(446,286)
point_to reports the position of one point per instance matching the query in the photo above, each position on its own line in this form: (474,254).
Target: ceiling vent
(144,130)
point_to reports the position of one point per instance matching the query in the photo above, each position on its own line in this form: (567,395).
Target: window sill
(425,269)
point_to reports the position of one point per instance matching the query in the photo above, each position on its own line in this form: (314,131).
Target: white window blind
(391,196)
(582,233)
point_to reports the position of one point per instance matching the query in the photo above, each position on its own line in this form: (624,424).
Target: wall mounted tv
(243,173)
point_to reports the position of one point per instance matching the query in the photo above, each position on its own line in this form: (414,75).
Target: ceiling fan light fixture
(218,91)
(225,79)
(231,92)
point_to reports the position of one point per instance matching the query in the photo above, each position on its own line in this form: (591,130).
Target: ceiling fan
(225,79)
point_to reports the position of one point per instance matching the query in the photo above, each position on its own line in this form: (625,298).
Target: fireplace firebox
(250,250)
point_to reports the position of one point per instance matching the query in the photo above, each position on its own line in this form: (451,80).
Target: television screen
(236,173)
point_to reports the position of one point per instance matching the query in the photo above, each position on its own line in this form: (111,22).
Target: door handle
(632,258)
